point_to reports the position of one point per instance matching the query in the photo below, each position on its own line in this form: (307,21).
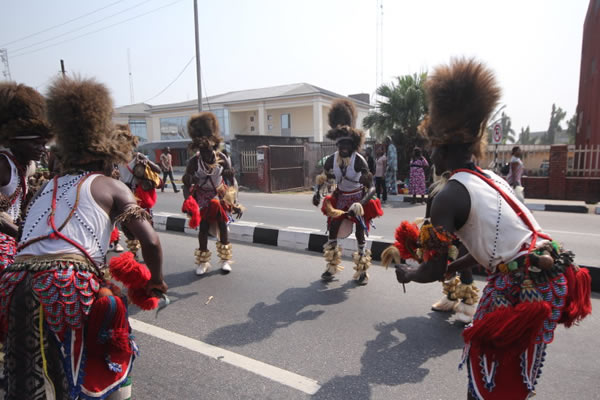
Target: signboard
(497,134)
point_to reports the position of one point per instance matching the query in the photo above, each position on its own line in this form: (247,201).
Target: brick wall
(535,187)
(557,172)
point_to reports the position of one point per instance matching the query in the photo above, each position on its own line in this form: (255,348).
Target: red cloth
(145,198)
(215,211)
(372,210)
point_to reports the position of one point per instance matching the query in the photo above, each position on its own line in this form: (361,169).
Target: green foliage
(556,117)
(572,128)
(525,137)
(400,114)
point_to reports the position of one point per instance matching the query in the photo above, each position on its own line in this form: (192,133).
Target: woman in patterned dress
(418,165)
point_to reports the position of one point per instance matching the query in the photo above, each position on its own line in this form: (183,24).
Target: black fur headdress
(204,130)
(22,112)
(461,97)
(342,120)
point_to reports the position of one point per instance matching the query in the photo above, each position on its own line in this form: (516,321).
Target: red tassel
(114,235)
(407,235)
(508,329)
(191,208)
(116,331)
(145,198)
(578,302)
(127,270)
(139,297)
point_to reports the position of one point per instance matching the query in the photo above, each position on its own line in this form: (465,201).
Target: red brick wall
(587,189)
(249,179)
(557,172)
(535,187)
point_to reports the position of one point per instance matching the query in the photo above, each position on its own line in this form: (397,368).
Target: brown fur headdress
(22,112)
(80,111)
(342,119)
(203,128)
(461,97)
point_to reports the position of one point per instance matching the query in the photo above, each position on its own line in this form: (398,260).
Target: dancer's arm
(326,174)
(449,211)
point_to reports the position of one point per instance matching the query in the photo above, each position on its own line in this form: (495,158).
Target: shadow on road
(265,319)
(396,356)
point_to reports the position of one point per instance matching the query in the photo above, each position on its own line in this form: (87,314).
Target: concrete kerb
(295,240)
(571,208)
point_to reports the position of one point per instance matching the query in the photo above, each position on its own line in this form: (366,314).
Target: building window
(222,115)
(251,129)
(269,117)
(251,118)
(173,128)
(138,128)
(270,127)
(286,125)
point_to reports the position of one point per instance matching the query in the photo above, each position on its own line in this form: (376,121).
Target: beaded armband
(133,211)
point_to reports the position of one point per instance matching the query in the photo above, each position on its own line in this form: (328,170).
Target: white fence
(584,161)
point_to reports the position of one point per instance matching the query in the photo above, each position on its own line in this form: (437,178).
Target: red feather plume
(191,208)
(407,235)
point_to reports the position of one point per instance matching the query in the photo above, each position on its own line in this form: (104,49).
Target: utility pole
(130,77)
(62,68)
(198,79)
(5,66)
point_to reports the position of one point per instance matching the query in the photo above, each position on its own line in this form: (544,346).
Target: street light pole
(198,76)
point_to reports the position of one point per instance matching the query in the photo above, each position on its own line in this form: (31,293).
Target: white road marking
(573,233)
(295,381)
(299,228)
(286,209)
(248,223)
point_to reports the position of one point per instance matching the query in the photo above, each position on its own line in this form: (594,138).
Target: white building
(289,110)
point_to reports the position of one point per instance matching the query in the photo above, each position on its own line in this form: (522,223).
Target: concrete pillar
(317,121)
(261,119)
(557,172)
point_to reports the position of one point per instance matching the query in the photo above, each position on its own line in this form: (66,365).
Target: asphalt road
(273,330)
(578,232)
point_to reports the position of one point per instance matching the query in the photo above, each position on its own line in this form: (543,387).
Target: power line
(173,81)
(61,24)
(81,27)
(97,30)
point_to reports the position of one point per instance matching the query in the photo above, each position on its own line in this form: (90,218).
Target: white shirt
(493,232)
(348,181)
(90,226)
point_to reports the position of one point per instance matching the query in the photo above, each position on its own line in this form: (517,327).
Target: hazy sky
(534,46)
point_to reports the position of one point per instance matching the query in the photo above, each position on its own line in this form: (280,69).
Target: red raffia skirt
(343,200)
(8,249)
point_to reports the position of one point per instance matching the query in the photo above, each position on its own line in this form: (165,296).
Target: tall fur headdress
(461,97)
(203,128)
(342,120)
(80,111)
(22,112)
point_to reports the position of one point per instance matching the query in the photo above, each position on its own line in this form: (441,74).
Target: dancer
(141,176)
(64,327)
(533,283)
(24,133)
(352,202)
(211,202)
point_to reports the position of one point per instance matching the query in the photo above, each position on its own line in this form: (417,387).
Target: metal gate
(286,168)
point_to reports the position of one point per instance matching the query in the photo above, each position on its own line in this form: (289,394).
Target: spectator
(516,171)
(418,165)
(392,166)
(380,168)
(166,165)
(370,159)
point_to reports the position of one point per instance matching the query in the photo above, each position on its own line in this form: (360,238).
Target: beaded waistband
(53,261)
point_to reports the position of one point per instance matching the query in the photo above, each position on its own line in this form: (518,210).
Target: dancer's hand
(403,273)
(238,212)
(153,286)
(316,199)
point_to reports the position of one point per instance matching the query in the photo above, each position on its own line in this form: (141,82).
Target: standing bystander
(166,165)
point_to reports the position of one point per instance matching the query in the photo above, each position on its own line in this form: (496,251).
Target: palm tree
(400,114)
(556,116)
(525,136)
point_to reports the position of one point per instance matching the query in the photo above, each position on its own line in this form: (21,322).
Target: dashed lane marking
(286,209)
